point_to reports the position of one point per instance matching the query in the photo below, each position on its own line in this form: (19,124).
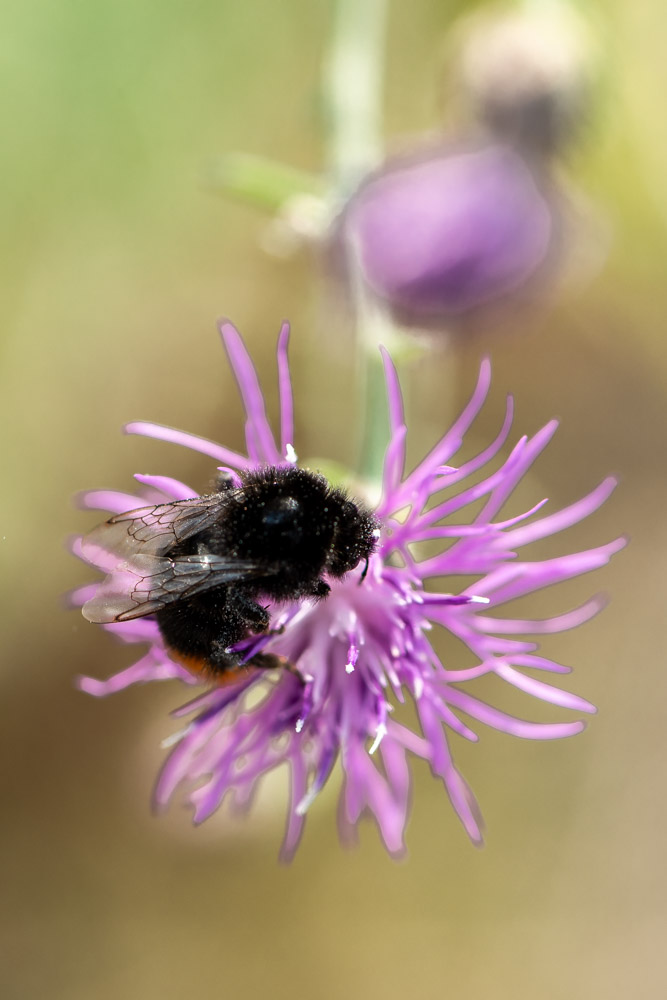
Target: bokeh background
(115,264)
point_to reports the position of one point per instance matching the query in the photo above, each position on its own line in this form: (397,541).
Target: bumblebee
(202,566)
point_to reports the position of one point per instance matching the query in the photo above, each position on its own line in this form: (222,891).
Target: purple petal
(145,670)
(465,804)
(258,432)
(546,626)
(285,392)
(192,441)
(394,394)
(172,488)
(468,468)
(138,630)
(77,598)
(295,820)
(533,447)
(394,461)
(530,577)
(504,723)
(452,440)
(114,501)
(212,703)
(396,768)
(563,518)
(540,663)
(94,555)
(538,689)
(411,741)
(372,791)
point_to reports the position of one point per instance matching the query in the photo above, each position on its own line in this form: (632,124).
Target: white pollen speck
(176,737)
(299,725)
(379,736)
(307,801)
(349,668)
(290,454)
(479,600)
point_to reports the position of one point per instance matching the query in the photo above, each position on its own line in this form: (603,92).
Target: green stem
(353,83)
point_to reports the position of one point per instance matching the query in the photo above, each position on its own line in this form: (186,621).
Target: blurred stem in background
(353,82)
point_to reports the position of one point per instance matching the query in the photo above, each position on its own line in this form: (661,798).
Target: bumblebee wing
(152,530)
(147,583)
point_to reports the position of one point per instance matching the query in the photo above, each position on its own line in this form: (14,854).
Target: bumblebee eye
(282,521)
(281,512)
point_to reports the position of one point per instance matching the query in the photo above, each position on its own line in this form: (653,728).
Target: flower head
(444,232)
(365,647)
(528,74)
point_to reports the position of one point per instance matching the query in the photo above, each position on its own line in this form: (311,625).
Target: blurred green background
(115,265)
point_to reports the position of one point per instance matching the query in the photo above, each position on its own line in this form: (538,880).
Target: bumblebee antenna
(364,572)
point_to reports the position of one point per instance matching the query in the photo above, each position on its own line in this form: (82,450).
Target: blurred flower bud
(440,234)
(527,74)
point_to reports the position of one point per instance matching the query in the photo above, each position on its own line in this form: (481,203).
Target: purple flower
(446,231)
(366,647)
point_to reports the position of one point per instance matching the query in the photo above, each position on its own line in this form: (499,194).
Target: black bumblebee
(200,565)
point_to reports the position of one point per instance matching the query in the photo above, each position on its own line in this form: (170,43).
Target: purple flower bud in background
(357,653)
(441,234)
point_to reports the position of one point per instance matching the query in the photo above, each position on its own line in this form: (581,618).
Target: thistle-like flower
(365,647)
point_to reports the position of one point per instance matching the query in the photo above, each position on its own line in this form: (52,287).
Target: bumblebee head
(355,537)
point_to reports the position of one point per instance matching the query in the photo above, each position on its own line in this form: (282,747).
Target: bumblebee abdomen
(209,672)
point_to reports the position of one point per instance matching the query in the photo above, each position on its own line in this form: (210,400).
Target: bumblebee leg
(293,670)
(277,631)
(253,614)
(270,661)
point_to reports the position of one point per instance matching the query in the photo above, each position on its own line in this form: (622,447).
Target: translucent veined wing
(147,583)
(152,530)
